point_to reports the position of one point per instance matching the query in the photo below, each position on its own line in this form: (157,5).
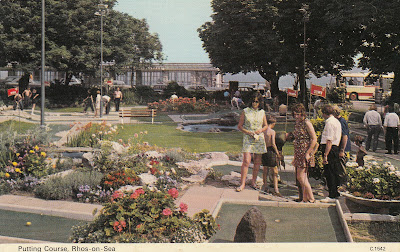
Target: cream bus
(360,87)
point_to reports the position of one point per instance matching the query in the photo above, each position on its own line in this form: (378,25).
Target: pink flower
(167,212)
(123,223)
(135,135)
(183,207)
(139,191)
(134,195)
(173,193)
(117,195)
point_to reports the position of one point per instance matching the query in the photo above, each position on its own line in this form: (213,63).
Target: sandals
(255,187)
(277,194)
(238,189)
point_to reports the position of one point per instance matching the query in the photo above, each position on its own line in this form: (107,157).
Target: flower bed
(184,105)
(143,215)
(373,181)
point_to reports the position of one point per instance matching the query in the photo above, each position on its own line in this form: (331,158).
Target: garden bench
(137,112)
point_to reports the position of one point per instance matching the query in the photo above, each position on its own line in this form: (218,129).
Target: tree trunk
(274,80)
(303,89)
(395,97)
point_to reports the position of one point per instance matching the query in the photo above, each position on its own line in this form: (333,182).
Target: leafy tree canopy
(73,36)
(265,36)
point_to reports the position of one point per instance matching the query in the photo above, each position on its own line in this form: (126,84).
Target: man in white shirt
(106,103)
(373,123)
(391,131)
(330,140)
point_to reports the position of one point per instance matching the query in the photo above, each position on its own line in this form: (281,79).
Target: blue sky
(176,22)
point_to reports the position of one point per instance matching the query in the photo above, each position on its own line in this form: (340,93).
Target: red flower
(167,212)
(123,223)
(117,195)
(134,195)
(183,207)
(153,170)
(173,193)
(138,226)
(139,191)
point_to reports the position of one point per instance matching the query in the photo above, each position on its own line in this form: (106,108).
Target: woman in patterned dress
(252,123)
(304,143)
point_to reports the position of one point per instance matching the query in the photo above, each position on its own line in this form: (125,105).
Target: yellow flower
(36,148)
(7,175)
(17,170)
(54,166)
(43,154)
(31,151)
(14,163)
(17,154)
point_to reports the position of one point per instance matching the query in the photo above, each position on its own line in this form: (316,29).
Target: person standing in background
(330,140)
(98,102)
(117,98)
(373,122)
(35,99)
(391,131)
(345,143)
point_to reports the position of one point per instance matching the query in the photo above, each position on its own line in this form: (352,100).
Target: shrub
(53,188)
(91,134)
(5,187)
(141,216)
(206,222)
(58,187)
(381,181)
(336,94)
(192,234)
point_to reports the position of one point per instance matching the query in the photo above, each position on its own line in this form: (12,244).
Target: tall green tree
(380,49)
(266,36)
(73,36)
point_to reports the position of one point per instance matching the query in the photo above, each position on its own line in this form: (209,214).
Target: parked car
(121,84)
(196,88)
(10,81)
(159,88)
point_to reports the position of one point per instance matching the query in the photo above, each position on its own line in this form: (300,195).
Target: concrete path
(199,197)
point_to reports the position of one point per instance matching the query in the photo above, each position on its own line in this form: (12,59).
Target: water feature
(208,128)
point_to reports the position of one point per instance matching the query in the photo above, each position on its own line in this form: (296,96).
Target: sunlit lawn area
(166,135)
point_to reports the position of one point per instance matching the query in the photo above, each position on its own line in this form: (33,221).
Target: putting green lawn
(284,224)
(42,227)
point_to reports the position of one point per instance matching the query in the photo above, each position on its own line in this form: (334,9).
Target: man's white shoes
(328,200)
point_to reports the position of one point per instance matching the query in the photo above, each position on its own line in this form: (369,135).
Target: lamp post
(43,66)
(303,86)
(101,12)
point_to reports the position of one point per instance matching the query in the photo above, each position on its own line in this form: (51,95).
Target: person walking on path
(88,102)
(98,102)
(305,144)
(373,122)
(345,143)
(391,131)
(330,141)
(270,159)
(117,98)
(35,99)
(252,123)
